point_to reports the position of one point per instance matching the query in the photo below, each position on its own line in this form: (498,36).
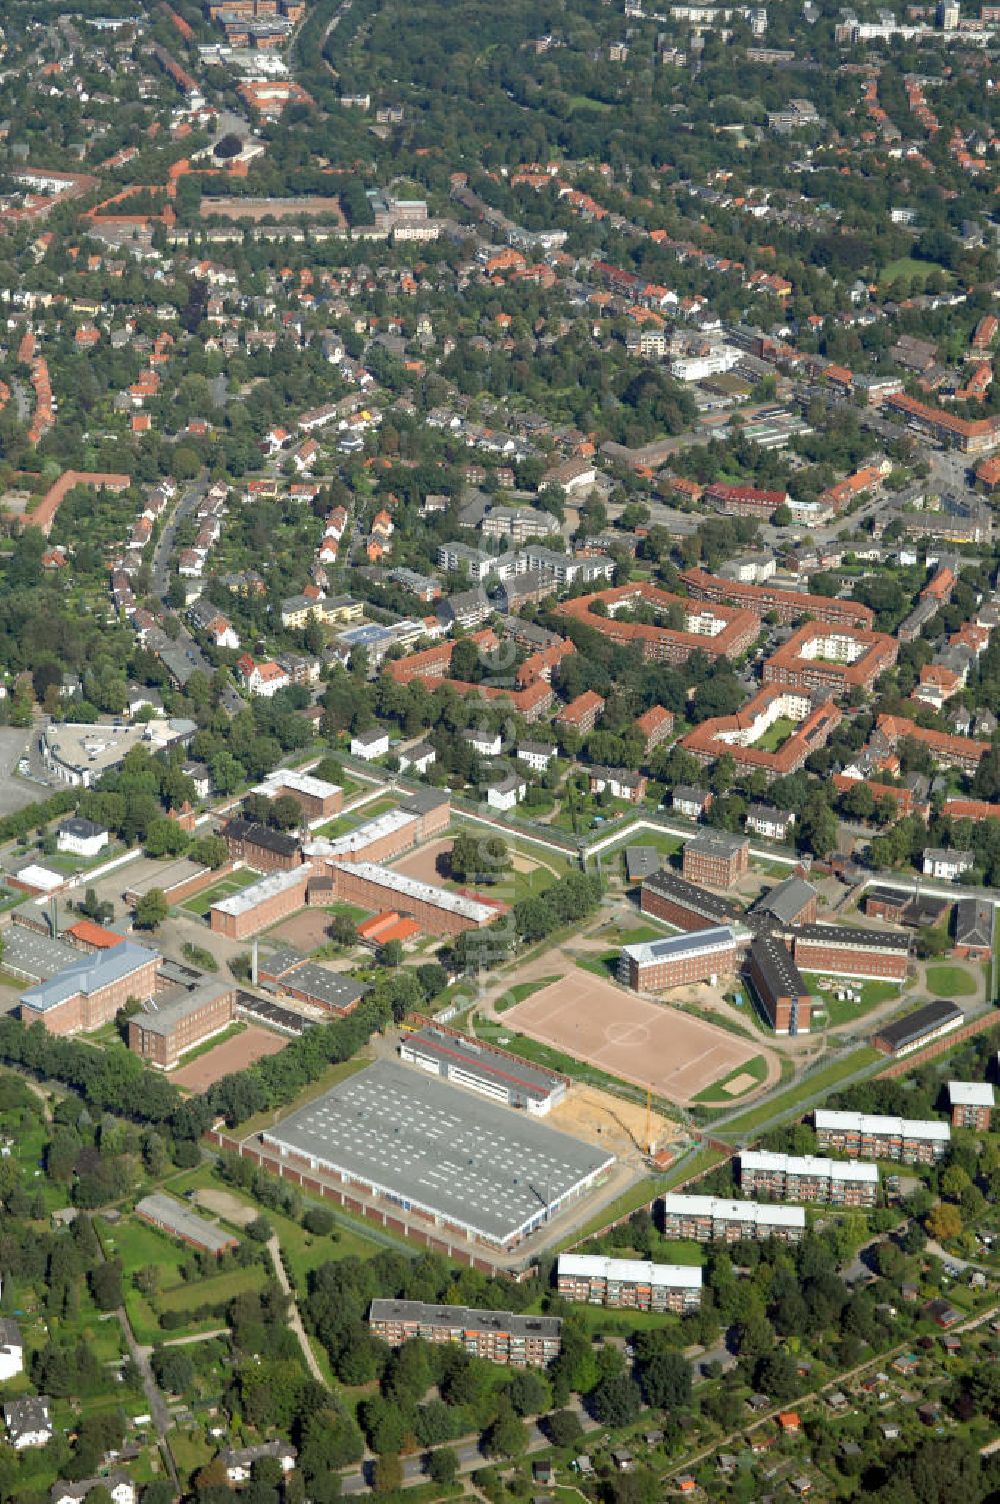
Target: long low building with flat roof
(933,1021)
(808,1177)
(676,960)
(467,1166)
(497,1336)
(709,1219)
(629,1284)
(89,992)
(910,1141)
(315,797)
(179,1221)
(483,1068)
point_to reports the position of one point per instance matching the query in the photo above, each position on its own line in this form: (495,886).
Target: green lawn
(351,819)
(818,1084)
(776,734)
(604,966)
(716,1094)
(235,882)
(842,1011)
(520,991)
(950,981)
(138,1246)
(906,266)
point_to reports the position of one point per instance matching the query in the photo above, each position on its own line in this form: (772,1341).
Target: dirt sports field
(228,1057)
(627,1036)
(305,931)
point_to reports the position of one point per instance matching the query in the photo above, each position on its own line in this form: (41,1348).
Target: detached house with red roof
(264,679)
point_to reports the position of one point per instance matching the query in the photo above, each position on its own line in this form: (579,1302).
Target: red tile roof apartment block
(949,751)
(971,436)
(531,699)
(834,659)
(737,736)
(654,726)
(719,631)
(582,713)
(788,605)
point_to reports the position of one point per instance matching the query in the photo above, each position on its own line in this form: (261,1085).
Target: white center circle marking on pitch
(627,1035)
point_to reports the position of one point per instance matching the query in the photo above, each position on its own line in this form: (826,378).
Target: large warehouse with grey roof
(463,1163)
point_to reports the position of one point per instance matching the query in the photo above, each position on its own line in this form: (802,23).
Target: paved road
(163,554)
(468,1453)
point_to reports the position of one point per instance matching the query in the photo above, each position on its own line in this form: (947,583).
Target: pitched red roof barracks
(789,605)
(955,751)
(735,735)
(719,631)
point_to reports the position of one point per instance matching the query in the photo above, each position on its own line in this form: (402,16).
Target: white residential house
(370,745)
(80,837)
(264,679)
(417,759)
(485,743)
(28,1422)
(690,801)
(11,1349)
(118,1484)
(765,820)
(947,865)
(536,755)
(506,794)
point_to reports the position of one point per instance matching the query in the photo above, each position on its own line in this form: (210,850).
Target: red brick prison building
(89,992)
(711,1219)
(778,985)
(933,1021)
(701,956)
(629,1284)
(161,1038)
(497,1336)
(272,898)
(787,605)
(718,631)
(843,951)
(715,858)
(668,896)
(421,817)
(808,1177)
(793,901)
(971,1104)
(294,975)
(908,1141)
(260,847)
(737,736)
(438,911)
(316,797)
(832,660)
